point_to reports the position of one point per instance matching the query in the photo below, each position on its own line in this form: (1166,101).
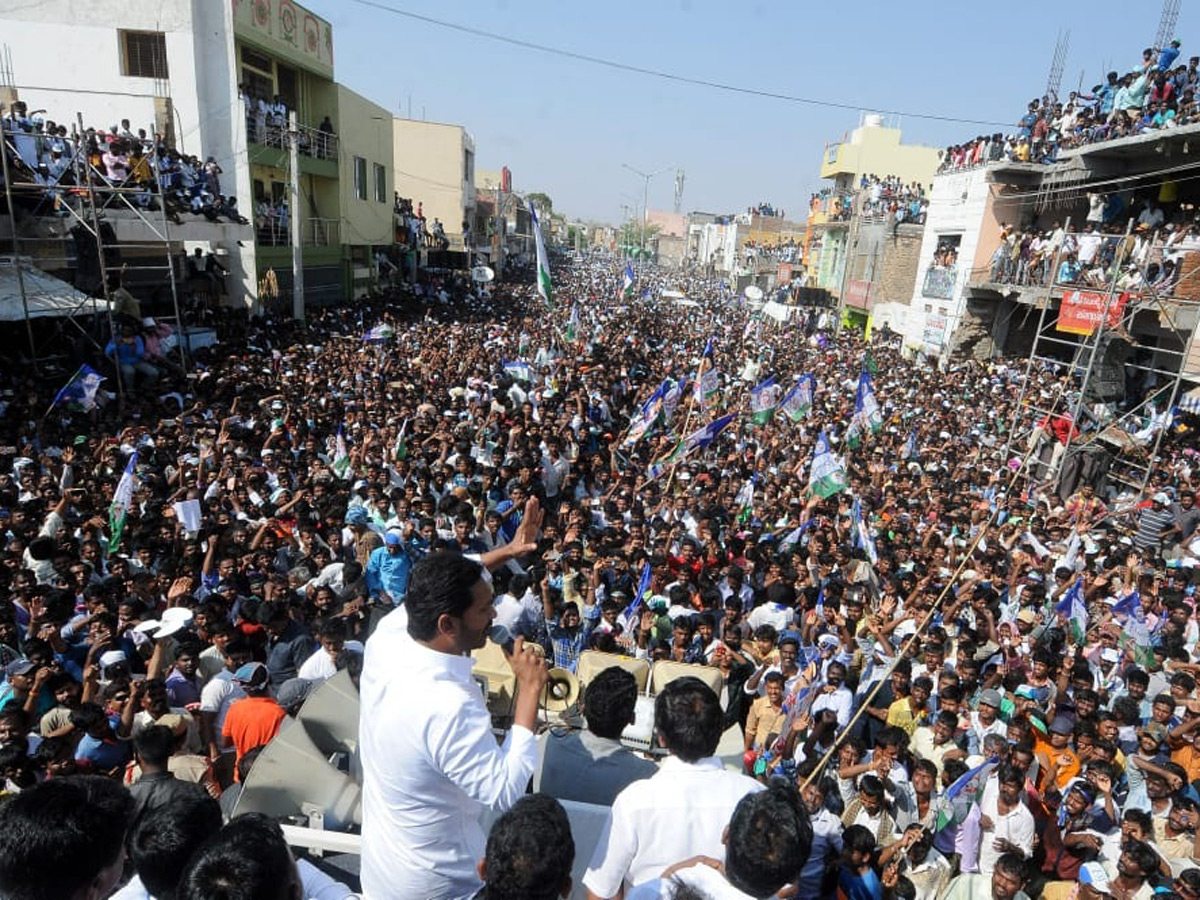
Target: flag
(650,412)
(401,448)
(910,446)
(827,476)
(763,400)
(799,399)
(1135,634)
(379,334)
(956,802)
(629,617)
(81,389)
(819,608)
(708,349)
(793,537)
(519,370)
(702,437)
(671,398)
(862,534)
(341,456)
(544,288)
(573,323)
(744,499)
(708,383)
(1072,606)
(122,498)
(869,364)
(627,281)
(866,407)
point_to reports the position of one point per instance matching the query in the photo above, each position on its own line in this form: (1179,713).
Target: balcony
(313,233)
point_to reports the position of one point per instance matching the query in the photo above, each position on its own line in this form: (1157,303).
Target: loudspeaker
(560,691)
(292,777)
(330,715)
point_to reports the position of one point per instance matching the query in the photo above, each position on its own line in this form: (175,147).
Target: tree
(543,203)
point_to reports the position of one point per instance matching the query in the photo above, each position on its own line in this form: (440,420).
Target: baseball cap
(1028,616)
(1154,730)
(112,658)
(1062,725)
(1161,497)
(19,667)
(393,538)
(1094,875)
(990,698)
(356,515)
(252,675)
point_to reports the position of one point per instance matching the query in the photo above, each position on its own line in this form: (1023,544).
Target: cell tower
(1054,81)
(1166,24)
(679,178)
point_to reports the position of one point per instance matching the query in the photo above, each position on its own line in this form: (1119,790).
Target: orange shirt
(252,722)
(1188,757)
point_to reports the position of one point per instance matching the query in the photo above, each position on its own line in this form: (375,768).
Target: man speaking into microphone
(430,761)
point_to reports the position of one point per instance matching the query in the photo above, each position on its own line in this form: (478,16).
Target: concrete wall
(365,130)
(892,291)
(429,169)
(958,203)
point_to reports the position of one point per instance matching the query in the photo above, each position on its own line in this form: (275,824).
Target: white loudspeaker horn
(330,715)
(561,691)
(291,777)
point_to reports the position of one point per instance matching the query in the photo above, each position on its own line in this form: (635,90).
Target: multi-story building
(435,163)
(195,72)
(844,247)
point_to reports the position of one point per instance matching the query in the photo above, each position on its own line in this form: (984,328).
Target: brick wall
(898,269)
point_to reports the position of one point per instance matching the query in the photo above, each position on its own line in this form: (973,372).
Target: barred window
(143,54)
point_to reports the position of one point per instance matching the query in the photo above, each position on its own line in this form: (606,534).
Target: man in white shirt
(1007,826)
(767,840)
(834,695)
(430,761)
(681,811)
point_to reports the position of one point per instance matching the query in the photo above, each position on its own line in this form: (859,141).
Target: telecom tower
(1166,24)
(1057,63)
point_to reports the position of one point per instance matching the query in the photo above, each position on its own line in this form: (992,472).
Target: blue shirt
(853,886)
(104,753)
(389,572)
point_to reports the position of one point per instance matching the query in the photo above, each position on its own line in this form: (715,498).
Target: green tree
(542,201)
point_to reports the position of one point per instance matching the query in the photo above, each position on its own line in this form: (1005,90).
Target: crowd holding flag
(629,617)
(797,403)
(573,323)
(867,418)
(341,456)
(827,476)
(544,288)
(1135,633)
(910,446)
(955,804)
(1073,607)
(862,533)
(519,370)
(122,498)
(80,390)
(627,282)
(763,400)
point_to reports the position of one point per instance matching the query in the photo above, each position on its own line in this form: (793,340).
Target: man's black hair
(440,586)
(769,839)
(1143,855)
(858,839)
(687,714)
(247,860)
(871,786)
(155,745)
(608,702)
(530,851)
(165,838)
(58,836)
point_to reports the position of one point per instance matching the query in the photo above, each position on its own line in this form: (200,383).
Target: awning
(1190,402)
(45,295)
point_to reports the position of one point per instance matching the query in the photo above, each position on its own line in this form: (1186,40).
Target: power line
(659,73)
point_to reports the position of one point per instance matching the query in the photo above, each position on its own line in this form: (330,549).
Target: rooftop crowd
(55,165)
(981,672)
(1157,94)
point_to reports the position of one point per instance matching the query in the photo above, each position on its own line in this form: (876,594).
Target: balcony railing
(313,142)
(320,232)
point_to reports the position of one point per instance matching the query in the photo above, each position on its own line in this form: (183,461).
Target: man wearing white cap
(1155,523)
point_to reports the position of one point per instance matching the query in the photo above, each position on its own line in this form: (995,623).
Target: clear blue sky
(565,127)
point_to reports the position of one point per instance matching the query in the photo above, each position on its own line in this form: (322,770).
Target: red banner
(785,273)
(858,294)
(1081,311)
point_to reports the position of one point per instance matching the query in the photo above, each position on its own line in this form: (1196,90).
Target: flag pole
(70,381)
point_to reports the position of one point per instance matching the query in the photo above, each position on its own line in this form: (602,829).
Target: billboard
(1081,311)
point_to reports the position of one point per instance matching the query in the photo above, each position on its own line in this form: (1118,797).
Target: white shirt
(841,701)
(217,696)
(679,812)
(706,880)
(826,842)
(1017,826)
(430,766)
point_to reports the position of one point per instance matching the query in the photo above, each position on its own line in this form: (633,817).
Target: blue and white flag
(910,446)
(827,476)
(122,498)
(341,456)
(544,287)
(81,389)
(1135,633)
(379,334)
(1072,606)
(763,400)
(862,534)
(797,403)
(629,618)
(702,437)
(627,282)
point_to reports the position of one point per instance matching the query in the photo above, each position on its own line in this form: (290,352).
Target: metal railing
(314,143)
(320,232)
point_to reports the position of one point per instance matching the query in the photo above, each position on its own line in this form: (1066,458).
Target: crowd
(42,152)
(1130,239)
(1157,94)
(890,196)
(267,124)
(983,681)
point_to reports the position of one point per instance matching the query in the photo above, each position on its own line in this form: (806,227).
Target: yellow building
(435,168)
(872,149)
(366,185)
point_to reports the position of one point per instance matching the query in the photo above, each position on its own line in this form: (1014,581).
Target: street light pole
(645,176)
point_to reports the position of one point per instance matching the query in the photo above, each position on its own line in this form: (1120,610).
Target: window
(360,178)
(143,54)
(380,184)
(469,166)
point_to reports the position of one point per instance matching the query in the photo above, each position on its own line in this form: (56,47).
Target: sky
(565,127)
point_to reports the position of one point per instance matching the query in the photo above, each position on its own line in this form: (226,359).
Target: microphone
(502,636)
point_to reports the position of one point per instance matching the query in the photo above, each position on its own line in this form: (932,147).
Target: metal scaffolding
(1131,428)
(51,218)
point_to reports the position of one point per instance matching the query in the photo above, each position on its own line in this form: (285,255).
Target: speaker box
(330,715)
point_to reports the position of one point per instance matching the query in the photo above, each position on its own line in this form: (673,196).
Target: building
(195,71)
(435,165)
(850,246)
